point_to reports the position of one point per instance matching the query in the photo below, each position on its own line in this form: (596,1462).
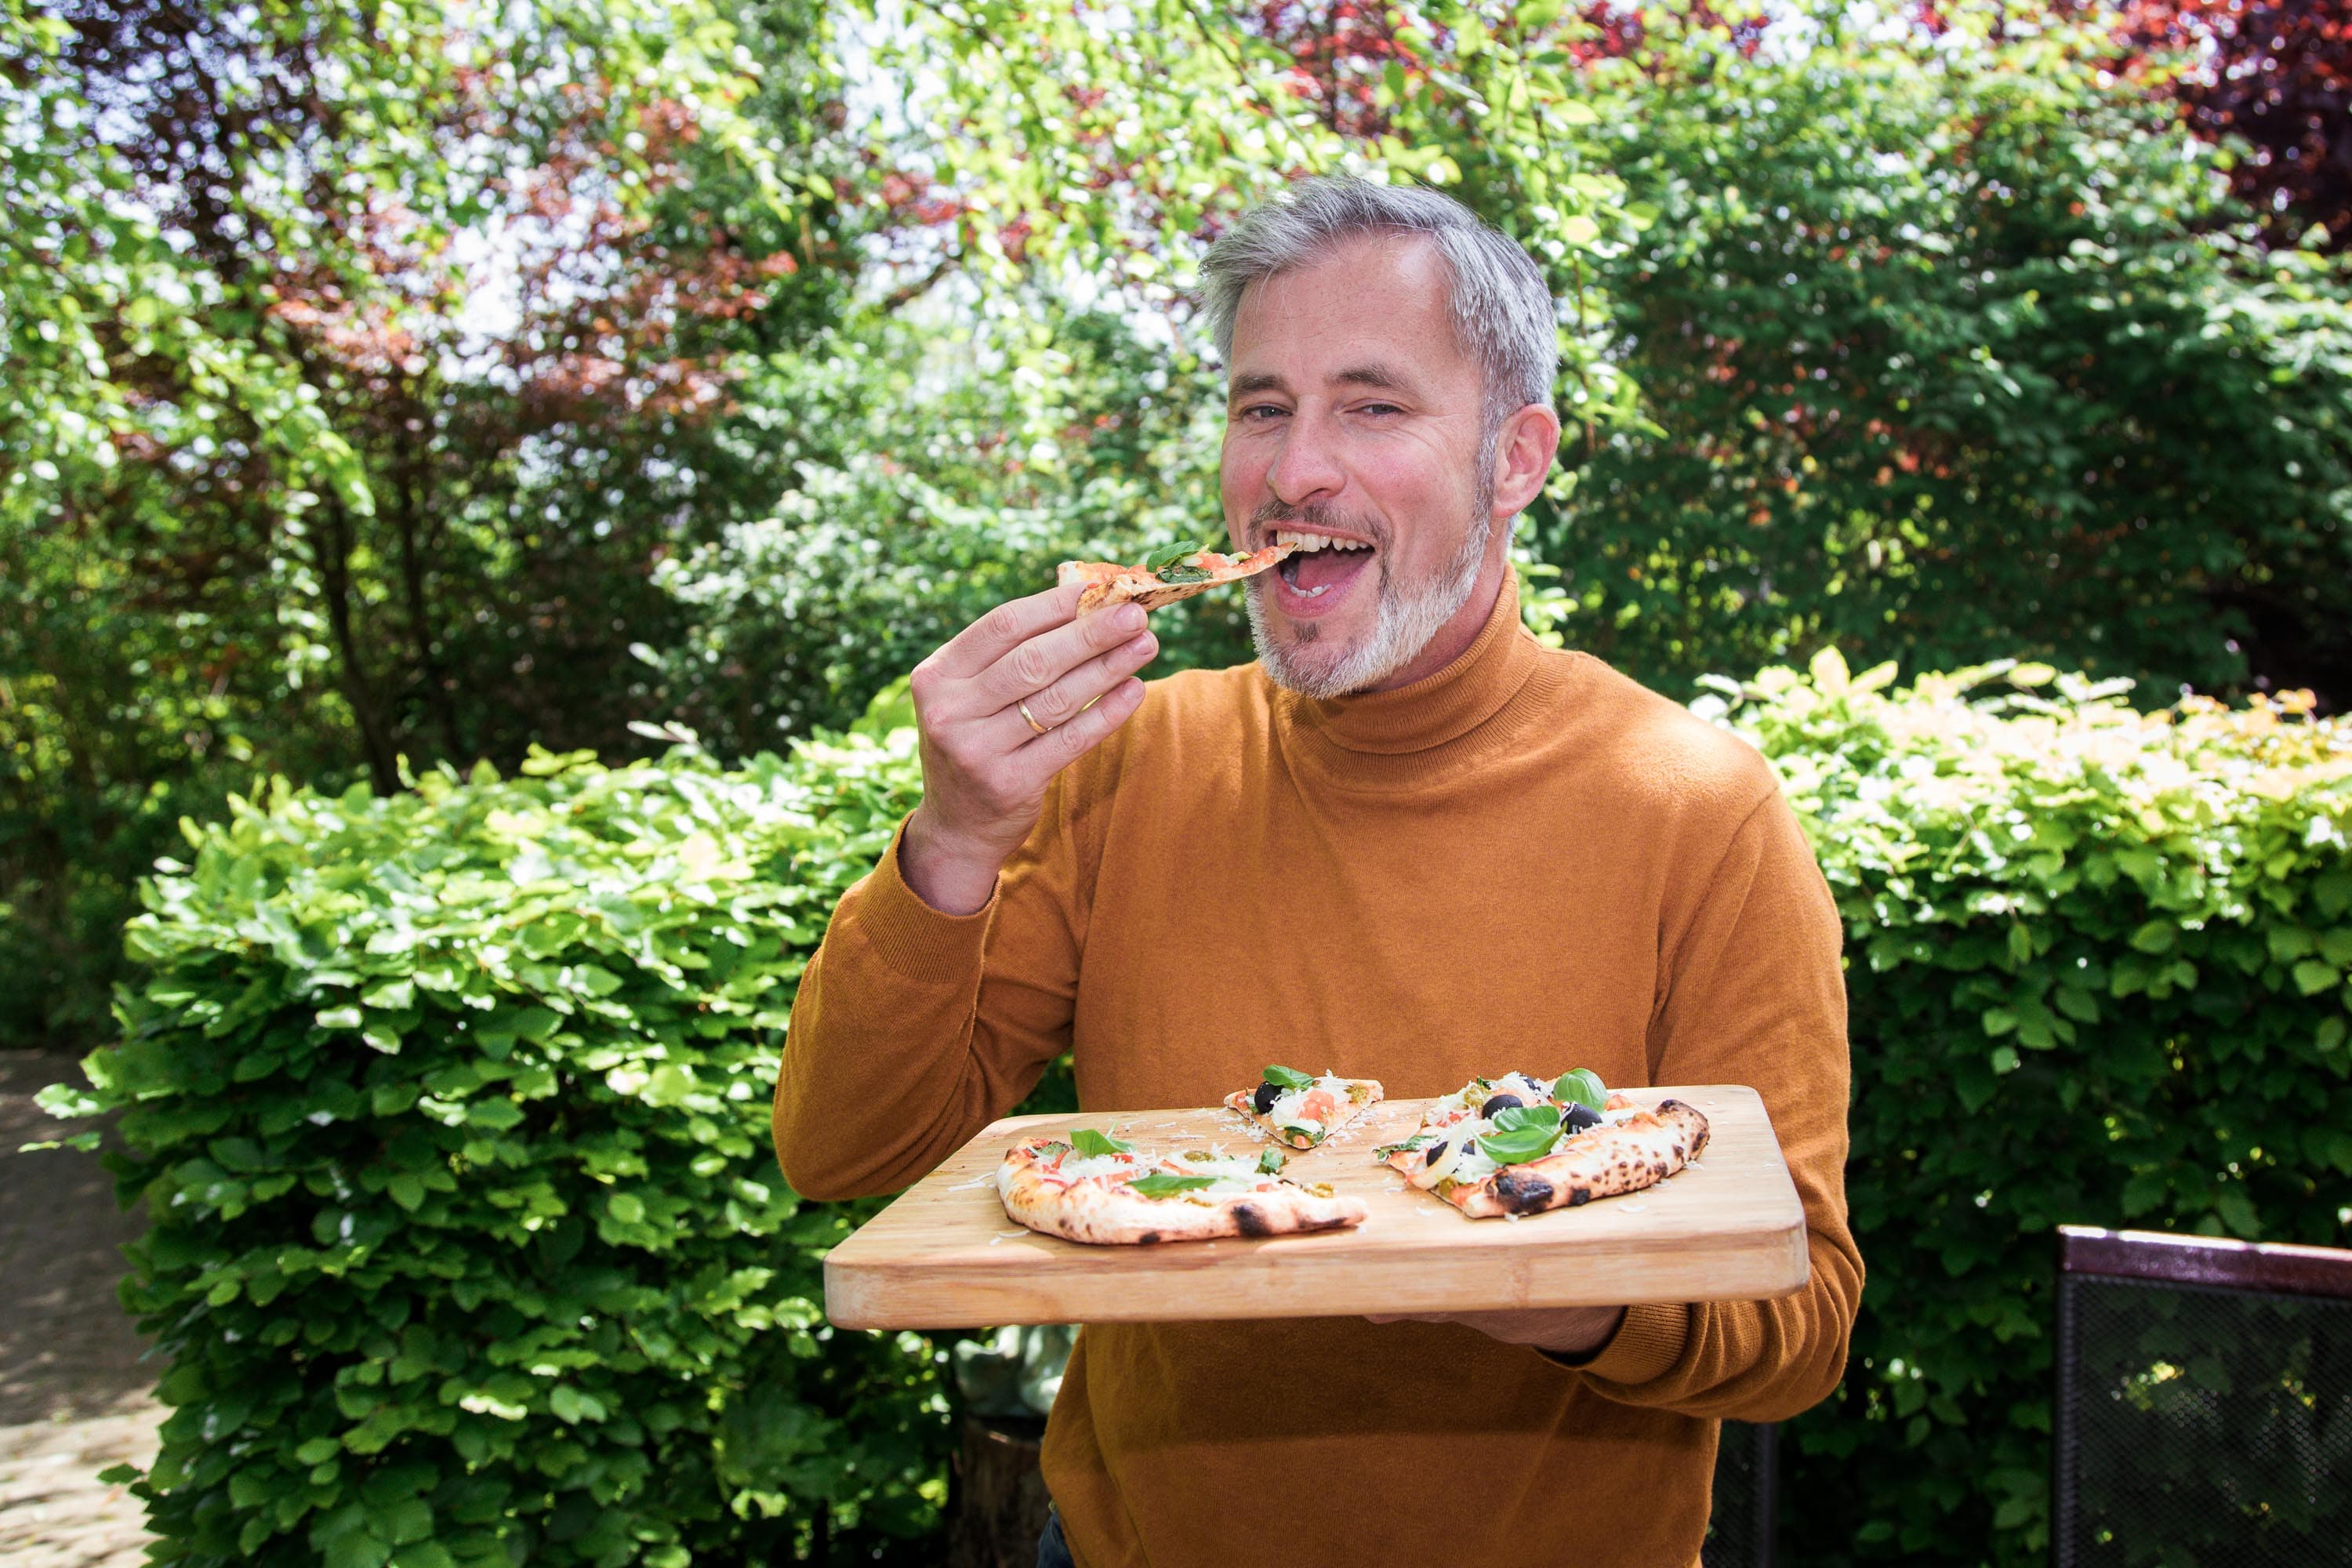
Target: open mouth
(1322,567)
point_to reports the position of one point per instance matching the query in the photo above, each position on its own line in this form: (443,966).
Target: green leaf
(1087,1140)
(2157,936)
(357,1550)
(1160,1185)
(1522,1132)
(1581,1086)
(626,1208)
(1270,1161)
(2312,977)
(1158,560)
(1289,1077)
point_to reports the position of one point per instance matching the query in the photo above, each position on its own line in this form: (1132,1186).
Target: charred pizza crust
(1100,1209)
(1107,583)
(1603,1162)
(1633,1150)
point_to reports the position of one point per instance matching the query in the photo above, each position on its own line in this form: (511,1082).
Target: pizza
(1301,1110)
(1087,1187)
(1520,1144)
(1164,577)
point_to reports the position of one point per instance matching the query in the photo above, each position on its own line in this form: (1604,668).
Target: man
(1408,843)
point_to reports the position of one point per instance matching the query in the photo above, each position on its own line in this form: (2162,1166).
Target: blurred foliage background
(426,380)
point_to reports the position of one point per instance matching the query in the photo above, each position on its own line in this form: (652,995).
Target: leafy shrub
(1957,352)
(467,1246)
(2097,967)
(450,1111)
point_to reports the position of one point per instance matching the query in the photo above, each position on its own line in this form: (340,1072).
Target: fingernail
(1144,647)
(1130,617)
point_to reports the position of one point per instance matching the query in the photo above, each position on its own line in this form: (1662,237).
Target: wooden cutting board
(945,1255)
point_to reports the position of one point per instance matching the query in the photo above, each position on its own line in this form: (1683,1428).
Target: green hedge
(466,1243)
(2096,965)
(450,1111)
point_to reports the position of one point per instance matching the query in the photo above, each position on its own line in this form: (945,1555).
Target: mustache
(1316,518)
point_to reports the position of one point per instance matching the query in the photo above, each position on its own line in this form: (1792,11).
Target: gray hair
(1503,311)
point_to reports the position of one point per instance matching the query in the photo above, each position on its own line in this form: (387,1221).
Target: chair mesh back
(1739,1528)
(2201,1427)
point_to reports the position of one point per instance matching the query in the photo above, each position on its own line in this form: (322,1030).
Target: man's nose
(1307,469)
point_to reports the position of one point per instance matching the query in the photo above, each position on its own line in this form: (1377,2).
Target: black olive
(1574,1117)
(1263,1101)
(1429,1156)
(1500,1102)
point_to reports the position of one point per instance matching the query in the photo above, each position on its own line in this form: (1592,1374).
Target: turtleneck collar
(1435,711)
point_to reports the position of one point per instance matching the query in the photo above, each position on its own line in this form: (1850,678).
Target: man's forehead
(1373,312)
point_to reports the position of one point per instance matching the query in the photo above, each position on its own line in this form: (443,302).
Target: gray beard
(1409,615)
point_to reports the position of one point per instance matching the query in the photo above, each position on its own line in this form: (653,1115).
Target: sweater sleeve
(914,1029)
(1753,994)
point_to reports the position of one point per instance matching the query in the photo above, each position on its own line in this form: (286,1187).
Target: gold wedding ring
(1032,718)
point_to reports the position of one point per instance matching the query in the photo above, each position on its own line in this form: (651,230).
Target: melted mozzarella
(1285,1111)
(1078,1167)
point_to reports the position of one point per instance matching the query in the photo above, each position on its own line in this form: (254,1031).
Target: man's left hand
(1565,1330)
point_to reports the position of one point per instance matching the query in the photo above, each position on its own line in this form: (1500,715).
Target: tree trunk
(999,1507)
(333,553)
(411,522)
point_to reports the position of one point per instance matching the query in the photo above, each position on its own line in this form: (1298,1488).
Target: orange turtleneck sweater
(1523,861)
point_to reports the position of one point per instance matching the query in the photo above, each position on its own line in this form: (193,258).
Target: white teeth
(1308,543)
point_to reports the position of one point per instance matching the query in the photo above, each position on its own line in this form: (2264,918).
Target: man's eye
(1251,414)
(1380,408)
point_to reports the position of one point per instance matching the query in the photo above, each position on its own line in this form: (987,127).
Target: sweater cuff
(917,942)
(1648,1342)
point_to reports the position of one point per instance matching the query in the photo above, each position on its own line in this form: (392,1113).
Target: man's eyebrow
(1373,374)
(1378,375)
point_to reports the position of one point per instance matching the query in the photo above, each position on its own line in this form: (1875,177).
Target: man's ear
(1523,455)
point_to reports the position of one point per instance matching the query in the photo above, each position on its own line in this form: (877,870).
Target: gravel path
(75,1396)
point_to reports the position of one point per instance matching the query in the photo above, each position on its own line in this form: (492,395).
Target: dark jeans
(1053,1551)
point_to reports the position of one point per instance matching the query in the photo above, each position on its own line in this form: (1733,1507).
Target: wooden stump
(999,1507)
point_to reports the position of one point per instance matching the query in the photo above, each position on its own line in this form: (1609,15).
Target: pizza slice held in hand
(1165,576)
(1301,1110)
(1087,1187)
(1520,1144)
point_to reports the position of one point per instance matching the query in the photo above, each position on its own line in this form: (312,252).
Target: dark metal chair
(1747,1478)
(2204,1403)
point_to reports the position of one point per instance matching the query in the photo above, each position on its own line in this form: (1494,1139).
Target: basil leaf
(1160,1185)
(1087,1140)
(1419,1140)
(1047,1151)
(1290,1077)
(1519,1146)
(1313,1133)
(1269,1161)
(1512,1118)
(1582,1086)
(1183,573)
(1174,554)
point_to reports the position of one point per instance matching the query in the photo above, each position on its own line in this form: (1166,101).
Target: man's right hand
(985,768)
